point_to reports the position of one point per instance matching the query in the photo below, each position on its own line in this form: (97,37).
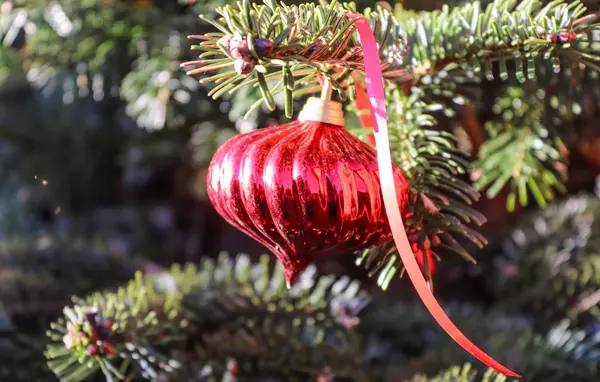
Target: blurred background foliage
(104,143)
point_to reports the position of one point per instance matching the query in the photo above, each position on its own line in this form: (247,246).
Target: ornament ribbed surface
(304,190)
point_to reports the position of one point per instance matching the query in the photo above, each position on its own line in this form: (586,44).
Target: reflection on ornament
(305,190)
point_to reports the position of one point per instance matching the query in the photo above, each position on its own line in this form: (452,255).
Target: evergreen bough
(191,320)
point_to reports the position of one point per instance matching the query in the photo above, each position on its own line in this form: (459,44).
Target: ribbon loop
(375,91)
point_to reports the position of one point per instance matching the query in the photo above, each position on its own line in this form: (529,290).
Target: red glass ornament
(304,190)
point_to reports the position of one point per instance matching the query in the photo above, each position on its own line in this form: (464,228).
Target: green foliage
(441,202)
(446,49)
(570,99)
(180,322)
(10,64)
(135,46)
(462,374)
(504,30)
(573,355)
(560,353)
(521,151)
(551,262)
(22,359)
(411,343)
(308,40)
(92,31)
(157,93)
(469,35)
(234,320)
(40,274)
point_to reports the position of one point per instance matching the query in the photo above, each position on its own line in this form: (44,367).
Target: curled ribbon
(375,91)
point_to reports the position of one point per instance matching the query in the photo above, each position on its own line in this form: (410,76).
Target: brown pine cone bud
(263,47)
(244,66)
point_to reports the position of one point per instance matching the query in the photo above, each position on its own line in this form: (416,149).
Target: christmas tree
(175,189)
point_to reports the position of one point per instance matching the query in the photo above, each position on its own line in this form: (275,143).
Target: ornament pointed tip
(290,280)
(291,275)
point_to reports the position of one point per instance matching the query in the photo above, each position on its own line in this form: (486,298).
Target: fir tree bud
(564,37)
(92,350)
(225,41)
(238,47)
(6,7)
(68,341)
(263,47)
(107,349)
(242,66)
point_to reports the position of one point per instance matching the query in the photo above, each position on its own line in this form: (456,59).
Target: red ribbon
(375,90)
(363,105)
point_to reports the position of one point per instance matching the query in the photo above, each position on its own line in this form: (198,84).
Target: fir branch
(569,100)
(157,93)
(255,341)
(463,373)
(10,65)
(97,334)
(96,33)
(440,208)
(178,322)
(560,353)
(469,36)
(40,274)
(476,37)
(521,152)
(249,314)
(550,265)
(22,360)
(306,42)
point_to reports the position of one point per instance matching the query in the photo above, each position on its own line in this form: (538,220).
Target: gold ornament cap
(322,110)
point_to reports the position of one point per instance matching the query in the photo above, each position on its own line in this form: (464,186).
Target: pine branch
(176,323)
(521,152)
(440,209)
